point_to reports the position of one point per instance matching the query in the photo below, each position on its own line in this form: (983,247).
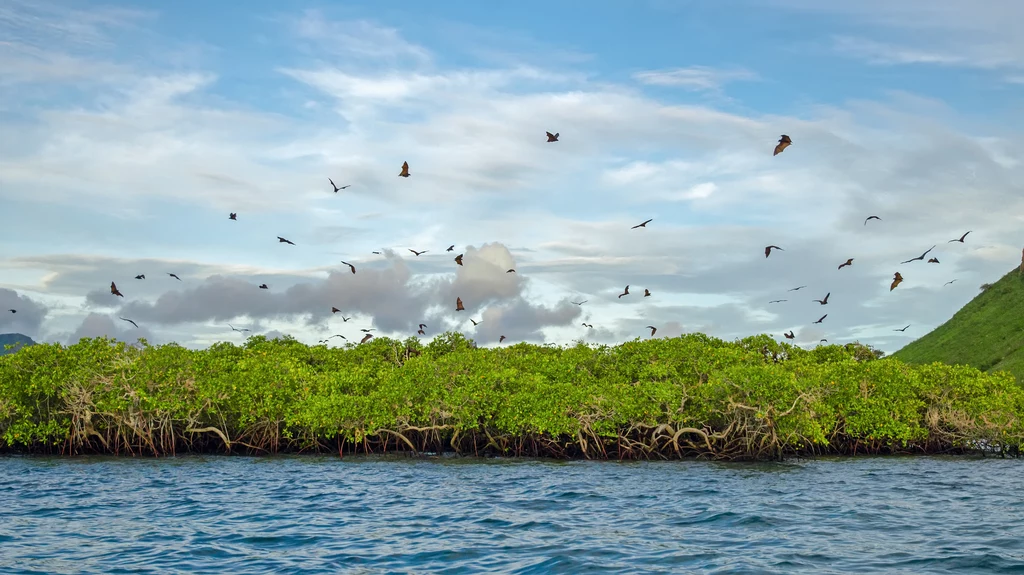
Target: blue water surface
(306,514)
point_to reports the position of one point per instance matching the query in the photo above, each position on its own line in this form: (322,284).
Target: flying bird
(904,329)
(933,260)
(789,335)
(897,279)
(418,253)
(784,142)
(367,330)
(378,253)
(405,170)
(591,326)
(552,137)
(458,304)
(233,216)
(264,286)
(140,277)
(580,302)
(647,292)
(920,257)
(871,218)
(822,340)
(345,319)
(848,262)
(653,329)
(421,332)
(13,310)
(768,250)
(423,326)
(777,300)
(961,239)
(335,186)
(334,309)
(113,290)
(281,240)
(366,338)
(174,276)
(625,292)
(823,301)
(511,271)
(237,329)
(129,321)
(501,339)
(450,248)
(475,322)
(796,288)
(350,266)
(458,259)
(821,319)
(643,225)
(947,283)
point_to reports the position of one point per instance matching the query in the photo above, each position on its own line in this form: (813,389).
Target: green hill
(12,339)
(987,333)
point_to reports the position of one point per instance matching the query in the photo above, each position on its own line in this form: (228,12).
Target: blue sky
(137,127)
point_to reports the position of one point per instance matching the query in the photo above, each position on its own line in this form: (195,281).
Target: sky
(131,130)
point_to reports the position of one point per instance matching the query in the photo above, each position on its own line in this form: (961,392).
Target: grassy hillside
(12,339)
(987,333)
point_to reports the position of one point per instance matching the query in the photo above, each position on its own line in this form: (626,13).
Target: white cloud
(694,77)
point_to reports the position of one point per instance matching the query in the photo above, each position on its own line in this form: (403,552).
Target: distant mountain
(987,333)
(11,339)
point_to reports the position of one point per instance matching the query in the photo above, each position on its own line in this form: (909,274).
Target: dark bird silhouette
(405,170)
(778,300)
(580,302)
(281,240)
(848,262)
(625,292)
(920,257)
(458,304)
(450,248)
(334,309)
(501,339)
(784,142)
(345,319)
(947,283)
(643,225)
(511,271)
(822,340)
(585,324)
(647,292)
(174,276)
(421,332)
(475,322)
(378,253)
(233,216)
(904,329)
(418,253)
(140,277)
(350,266)
(789,335)
(13,310)
(129,321)
(264,286)
(960,239)
(933,260)
(871,218)
(768,250)
(423,326)
(458,259)
(367,330)
(897,279)
(113,290)
(823,301)
(653,329)
(821,319)
(366,338)
(335,186)
(233,328)
(796,288)
(552,137)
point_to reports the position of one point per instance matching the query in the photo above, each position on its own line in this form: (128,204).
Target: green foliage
(755,397)
(987,333)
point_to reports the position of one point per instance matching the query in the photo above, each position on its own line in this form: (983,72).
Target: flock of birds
(783,143)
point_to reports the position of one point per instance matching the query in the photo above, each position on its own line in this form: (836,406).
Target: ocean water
(311,514)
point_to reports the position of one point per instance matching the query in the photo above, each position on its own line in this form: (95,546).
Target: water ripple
(406,515)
